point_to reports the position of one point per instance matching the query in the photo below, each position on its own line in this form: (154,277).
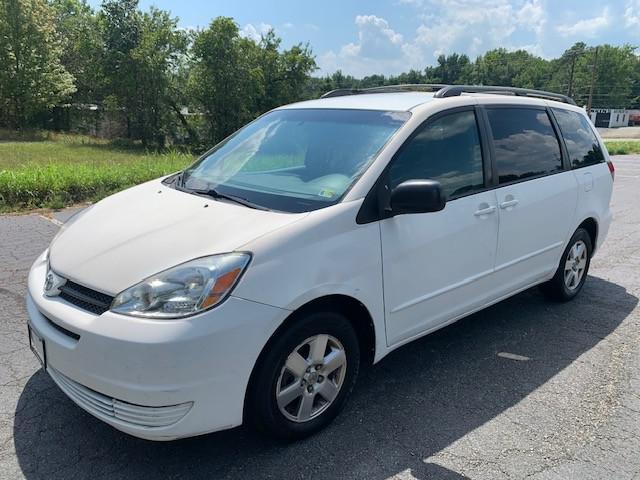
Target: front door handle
(509,203)
(485,209)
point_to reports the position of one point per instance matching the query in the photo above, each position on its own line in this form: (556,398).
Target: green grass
(623,147)
(51,170)
(58,170)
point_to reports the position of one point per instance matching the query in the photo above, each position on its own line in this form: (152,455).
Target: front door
(437,266)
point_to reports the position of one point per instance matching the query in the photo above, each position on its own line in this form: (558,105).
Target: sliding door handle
(509,203)
(484,211)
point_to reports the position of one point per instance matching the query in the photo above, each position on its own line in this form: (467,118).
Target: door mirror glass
(417,196)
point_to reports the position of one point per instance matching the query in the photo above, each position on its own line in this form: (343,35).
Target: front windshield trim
(265,195)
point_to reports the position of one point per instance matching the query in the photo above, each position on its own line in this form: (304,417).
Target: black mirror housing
(417,196)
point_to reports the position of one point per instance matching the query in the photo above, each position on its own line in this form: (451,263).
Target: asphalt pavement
(523,389)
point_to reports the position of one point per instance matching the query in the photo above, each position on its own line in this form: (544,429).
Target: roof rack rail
(407,87)
(457,90)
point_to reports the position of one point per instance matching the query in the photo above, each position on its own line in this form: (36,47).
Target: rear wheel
(572,271)
(303,380)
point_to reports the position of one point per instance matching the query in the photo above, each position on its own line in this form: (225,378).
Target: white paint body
(413,273)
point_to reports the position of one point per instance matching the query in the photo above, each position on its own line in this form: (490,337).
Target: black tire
(556,288)
(261,407)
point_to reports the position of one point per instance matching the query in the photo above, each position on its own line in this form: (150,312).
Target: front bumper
(132,372)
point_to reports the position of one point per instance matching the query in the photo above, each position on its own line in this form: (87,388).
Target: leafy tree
(566,69)
(142,54)
(32,77)
(500,67)
(283,75)
(373,81)
(82,44)
(224,81)
(615,80)
(535,72)
(121,24)
(451,69)
(156,58)
(296,65)
(410,77)
(615,69)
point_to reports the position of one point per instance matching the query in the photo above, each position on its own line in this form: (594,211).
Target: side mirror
(417,196)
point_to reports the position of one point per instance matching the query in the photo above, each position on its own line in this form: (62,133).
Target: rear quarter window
(525,143)
(582,144)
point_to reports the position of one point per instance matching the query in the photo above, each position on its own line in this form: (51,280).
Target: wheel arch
(590,224)
(352,309)
(357,313)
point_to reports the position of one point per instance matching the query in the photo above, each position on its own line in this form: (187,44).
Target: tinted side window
(447,150)
(525,143)
(582,144)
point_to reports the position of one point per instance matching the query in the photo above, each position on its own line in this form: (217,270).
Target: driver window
(447,150)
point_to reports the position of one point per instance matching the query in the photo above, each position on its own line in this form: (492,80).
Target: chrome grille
(85,298)
(108,408)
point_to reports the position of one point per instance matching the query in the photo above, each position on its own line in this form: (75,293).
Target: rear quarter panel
(595,188)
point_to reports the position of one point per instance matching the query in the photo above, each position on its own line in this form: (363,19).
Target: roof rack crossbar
(457,90)
(407,87)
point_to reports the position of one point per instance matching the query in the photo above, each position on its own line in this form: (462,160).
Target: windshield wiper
(213,193)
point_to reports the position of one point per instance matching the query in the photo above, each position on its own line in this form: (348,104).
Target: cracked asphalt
(524,389)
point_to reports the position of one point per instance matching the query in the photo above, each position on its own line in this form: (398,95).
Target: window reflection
(582,144)
(447,150)
(525,143)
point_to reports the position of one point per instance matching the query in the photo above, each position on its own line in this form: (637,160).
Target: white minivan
(253,285)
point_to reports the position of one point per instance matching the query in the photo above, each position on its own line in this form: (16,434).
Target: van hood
(144,230)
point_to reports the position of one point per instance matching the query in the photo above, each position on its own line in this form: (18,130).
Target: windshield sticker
(327,193)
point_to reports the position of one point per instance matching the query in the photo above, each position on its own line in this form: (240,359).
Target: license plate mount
(36,343)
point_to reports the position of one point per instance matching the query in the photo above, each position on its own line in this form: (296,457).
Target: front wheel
(572,271)
(303,379)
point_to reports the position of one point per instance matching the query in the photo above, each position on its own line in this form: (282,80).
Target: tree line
(614,72)
(162,84)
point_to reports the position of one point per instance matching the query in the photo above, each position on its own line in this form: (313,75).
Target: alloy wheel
(575,265)
(311,378)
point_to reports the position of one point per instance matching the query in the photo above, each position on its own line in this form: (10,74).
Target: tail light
(612,169)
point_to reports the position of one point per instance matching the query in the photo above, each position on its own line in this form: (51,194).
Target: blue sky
(366,37)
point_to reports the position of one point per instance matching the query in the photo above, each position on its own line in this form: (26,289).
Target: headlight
(183,290)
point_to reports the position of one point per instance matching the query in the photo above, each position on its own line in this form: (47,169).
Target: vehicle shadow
(413,404)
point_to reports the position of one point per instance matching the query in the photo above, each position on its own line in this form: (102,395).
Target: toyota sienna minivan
(252,286)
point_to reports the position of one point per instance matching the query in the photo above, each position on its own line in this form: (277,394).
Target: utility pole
(593,79)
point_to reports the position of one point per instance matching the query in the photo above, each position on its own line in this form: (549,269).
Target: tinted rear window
(525,143)
(582,144)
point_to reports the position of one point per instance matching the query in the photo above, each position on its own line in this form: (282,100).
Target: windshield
(295,160)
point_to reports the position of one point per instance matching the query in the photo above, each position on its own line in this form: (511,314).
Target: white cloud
(588,27)
(253,32)
(378,48)
(287,25)
(632,14)
(532,14)
(460,24)
(375,38)
(446,26)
